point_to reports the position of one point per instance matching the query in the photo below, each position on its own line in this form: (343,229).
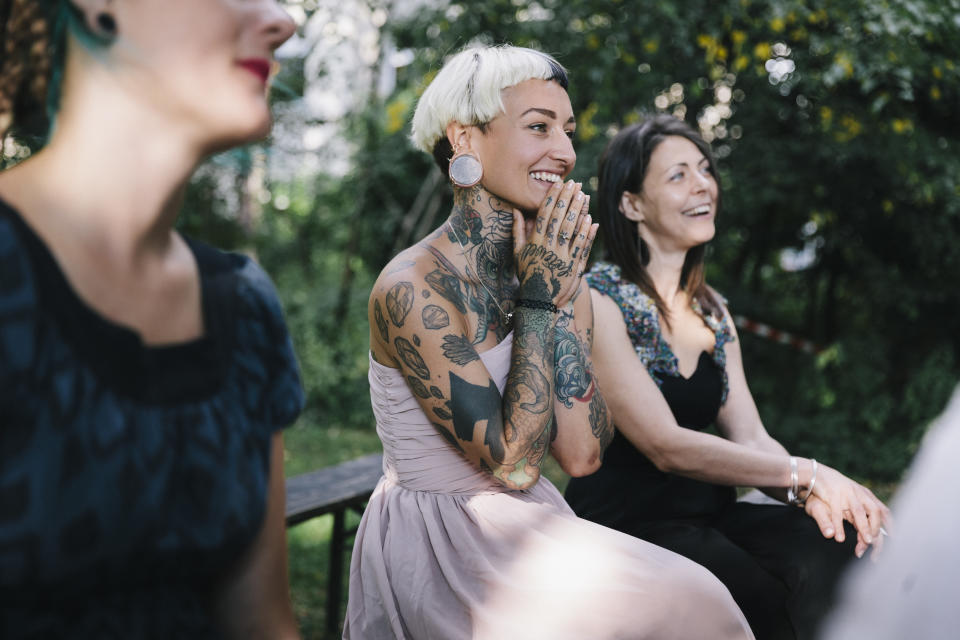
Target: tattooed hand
(551,257)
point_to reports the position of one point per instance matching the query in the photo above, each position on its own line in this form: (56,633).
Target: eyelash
(540,127)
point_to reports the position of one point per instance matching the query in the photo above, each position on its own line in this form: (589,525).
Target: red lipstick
(257,66)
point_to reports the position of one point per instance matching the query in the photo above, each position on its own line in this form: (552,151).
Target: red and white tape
(776,335)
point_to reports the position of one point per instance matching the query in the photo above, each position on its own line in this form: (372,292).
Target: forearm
(584,427)
(527,395)
(710,458)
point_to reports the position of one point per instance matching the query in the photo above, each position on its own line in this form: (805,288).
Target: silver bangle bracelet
(813,482)
(794,488)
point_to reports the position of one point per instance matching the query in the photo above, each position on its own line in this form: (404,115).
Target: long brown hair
(623,166)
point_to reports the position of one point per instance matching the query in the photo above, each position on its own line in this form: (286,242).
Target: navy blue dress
(132,477)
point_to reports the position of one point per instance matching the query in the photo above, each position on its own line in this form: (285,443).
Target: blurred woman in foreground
(144,376)
(666,350)
(479,345)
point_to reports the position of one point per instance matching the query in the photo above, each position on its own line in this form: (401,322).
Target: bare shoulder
(416,294)
(605,309)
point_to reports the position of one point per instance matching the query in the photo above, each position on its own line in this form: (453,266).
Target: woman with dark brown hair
(144,376)
(667,352)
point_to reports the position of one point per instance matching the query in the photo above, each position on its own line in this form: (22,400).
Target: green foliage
(831,122)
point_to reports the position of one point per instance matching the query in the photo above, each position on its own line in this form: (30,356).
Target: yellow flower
(762,51)
(593,42)
(738,37)
(706,41)
(901,125)
(777,24)
(722,53)
(651,45)
(843,61)
(396,115)
(935,92)
(937,73)
(741,63)
(826,114)
(887,206)
(586,130)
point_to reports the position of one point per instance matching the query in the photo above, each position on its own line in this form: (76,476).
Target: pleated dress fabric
(445,552)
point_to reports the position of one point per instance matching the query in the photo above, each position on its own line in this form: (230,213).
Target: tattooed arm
(578,402)
(418,326)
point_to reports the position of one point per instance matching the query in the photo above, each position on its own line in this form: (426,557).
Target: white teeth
(697,211)
(546,177)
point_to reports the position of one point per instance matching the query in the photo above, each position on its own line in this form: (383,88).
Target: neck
(665,269)
(482,224)
(113,174)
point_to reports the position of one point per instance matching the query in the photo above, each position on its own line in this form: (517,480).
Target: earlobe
(630,206)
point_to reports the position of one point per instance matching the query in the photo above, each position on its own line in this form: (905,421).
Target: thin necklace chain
(507,318)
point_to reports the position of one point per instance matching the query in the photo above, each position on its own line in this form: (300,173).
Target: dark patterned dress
(779,568)
(132,477)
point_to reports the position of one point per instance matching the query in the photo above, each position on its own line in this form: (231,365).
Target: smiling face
(200,66)
(528,147)
(677,205)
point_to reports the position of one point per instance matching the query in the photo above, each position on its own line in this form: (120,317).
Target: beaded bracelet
(535,304)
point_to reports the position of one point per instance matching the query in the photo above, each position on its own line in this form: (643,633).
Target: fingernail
(579,195)
(868,539)
(859,553)
(829,533)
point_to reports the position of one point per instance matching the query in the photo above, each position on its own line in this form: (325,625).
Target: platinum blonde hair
(467,89)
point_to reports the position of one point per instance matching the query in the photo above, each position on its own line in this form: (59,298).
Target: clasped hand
(837,498)
(551,250)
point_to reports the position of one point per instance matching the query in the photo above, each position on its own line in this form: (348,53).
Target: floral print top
(643,324)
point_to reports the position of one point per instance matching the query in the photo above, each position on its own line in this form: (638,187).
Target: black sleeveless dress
(132,477)
(779,568)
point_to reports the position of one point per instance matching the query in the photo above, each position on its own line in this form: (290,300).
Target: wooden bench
(334,489)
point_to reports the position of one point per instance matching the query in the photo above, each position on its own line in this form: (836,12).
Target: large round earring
(465,169)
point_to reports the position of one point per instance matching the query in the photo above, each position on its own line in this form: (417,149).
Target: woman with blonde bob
(479,367)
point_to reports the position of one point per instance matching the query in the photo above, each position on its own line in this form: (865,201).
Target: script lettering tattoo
(549,259)
(448,286)
(443,431)
(381,321)
(561,204)
(399,302)
(434,317)
(411,357)
(418,387)
(571,216)
(459,350)
(472,404)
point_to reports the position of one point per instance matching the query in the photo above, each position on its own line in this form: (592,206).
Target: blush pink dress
(444,552)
